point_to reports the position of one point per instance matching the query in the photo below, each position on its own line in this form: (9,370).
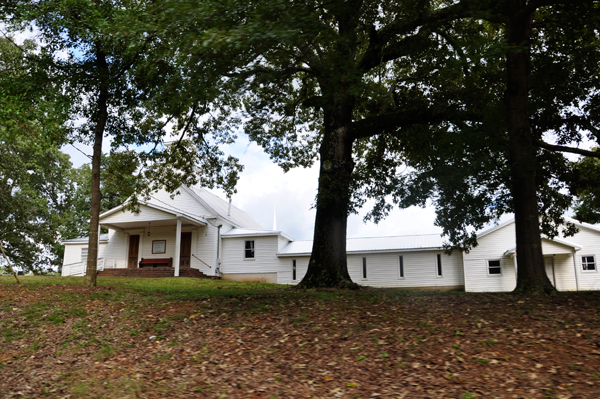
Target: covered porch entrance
(155,240)
(559,263)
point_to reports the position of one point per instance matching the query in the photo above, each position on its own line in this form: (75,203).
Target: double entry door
(184,255)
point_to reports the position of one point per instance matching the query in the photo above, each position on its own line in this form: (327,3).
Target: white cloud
(264,186)
(19,36)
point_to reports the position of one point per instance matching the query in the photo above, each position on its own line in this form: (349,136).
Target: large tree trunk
(328,266)
(101,118)
(531,275)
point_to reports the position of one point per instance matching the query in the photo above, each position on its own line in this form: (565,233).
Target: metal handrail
(103,263)
(209,266)
(74,263)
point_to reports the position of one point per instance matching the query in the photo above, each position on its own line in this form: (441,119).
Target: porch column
(176,258)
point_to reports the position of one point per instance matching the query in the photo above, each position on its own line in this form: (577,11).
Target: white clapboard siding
(495,244)
(420,269)
(206,249)
(491,247)
(282,242)
(167,234)
(589,241)
(146,214)
(550,247)
(183,201)
(265,256)
(73,253)
(116,248)
(477,278)
(564,272)
(284,276)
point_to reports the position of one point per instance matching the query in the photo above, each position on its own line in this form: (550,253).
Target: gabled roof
(577,223)
(84,240)
(563,242)
(374,244)
(161,206)
(220,208)
(216,206)
(583,224)
(235,232)
(489,230)
(513,250)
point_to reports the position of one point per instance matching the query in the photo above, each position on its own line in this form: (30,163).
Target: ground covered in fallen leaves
(195,338)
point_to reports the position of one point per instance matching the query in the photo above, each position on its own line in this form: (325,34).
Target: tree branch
(311,58)
(563,148)
(133,60)
(578,122)
(392,121)
(261,69)
(378,40)
(187,125)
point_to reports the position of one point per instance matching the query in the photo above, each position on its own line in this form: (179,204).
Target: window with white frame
(249,250)
(364,268)
(401,266)
(294,269)
(439,265)
(84,254)
(588,263)
(494,267)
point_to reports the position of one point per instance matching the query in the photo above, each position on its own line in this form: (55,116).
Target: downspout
(575,270)
(218,268)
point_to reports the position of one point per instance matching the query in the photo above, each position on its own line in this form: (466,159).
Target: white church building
(197,231)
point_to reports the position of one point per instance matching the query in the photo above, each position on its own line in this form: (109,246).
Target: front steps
(153,272)
(195,273)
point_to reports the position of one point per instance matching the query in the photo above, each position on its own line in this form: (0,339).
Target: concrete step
(154,272)
(143,272)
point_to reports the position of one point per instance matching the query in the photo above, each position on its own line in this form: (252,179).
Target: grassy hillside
(182,338)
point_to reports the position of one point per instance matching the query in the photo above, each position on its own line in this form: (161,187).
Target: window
(588,263)
(439,265)
(84,254)
(249,250)
(401,265)
(364,268)
(294,269)
(494,267)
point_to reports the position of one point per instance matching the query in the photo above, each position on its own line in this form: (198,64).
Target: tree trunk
(102,117)
(328,266)
(531,274)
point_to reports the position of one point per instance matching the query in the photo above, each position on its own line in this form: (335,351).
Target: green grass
(186,289)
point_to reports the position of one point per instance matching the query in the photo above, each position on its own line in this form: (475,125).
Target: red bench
(156,262)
